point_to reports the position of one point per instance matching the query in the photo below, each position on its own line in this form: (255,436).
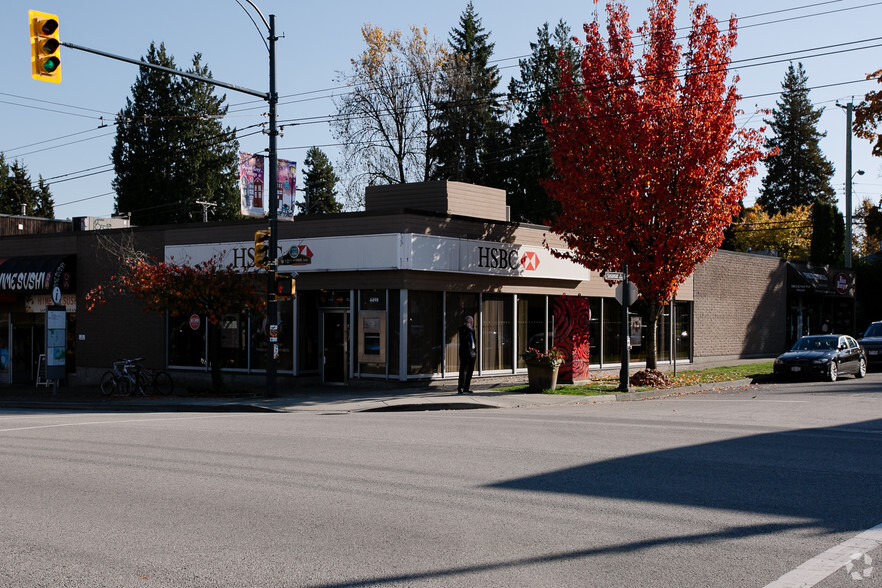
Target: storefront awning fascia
(39,274)
(803,278)
(393,251)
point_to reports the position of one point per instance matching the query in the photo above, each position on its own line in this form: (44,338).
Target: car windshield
(815,343)
(874,330)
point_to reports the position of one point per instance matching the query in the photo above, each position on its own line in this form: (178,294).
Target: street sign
(614,276)
(632,293)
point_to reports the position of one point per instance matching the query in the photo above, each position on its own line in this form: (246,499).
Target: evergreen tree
(469,131)
(171,149)
(799,174)
(16,189)
(828,234)
(320,189)
(529,161)
(210,171)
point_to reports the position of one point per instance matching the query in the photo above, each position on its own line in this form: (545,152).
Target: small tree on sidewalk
(208,288)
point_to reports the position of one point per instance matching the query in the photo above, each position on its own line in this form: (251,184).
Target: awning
(809,279)
(37,274)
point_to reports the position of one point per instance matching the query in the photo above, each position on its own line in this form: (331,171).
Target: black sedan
(871,341)
(823,355)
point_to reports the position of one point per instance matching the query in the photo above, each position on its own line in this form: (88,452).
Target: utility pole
(272,307)
(848,116)
(205,207)
(272,99)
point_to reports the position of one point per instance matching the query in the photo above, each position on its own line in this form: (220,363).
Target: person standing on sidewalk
(468,351)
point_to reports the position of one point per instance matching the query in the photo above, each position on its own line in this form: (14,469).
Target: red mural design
(571,335)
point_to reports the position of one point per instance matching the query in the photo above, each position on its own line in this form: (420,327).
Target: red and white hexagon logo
(530,261)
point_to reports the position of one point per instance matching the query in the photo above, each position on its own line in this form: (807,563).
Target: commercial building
(380,295)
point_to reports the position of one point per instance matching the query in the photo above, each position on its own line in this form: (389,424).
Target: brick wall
(740,306)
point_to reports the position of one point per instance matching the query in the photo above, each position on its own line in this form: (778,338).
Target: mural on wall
(571,318)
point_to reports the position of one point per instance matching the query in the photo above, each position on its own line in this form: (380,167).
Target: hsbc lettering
(498,258)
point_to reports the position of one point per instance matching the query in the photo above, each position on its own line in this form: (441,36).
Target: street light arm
(265,23)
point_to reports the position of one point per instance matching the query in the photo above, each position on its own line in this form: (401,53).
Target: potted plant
(542,368)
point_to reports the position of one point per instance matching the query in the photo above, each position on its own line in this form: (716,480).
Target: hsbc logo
(507,259)
(530,261)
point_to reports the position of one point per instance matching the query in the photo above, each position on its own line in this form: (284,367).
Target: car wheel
(862,369)
(834,372)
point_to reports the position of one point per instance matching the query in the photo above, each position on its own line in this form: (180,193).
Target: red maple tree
(650,166)
(207,288)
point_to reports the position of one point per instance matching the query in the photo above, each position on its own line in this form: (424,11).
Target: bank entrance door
(335,345)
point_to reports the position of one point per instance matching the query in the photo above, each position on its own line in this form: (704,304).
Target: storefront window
(308,327)
(186,341)
(612,331)
(424,326)
(394,338)
(4,348)
(233,339)
(531,326)
(683,333)
(459,306)
(497,318)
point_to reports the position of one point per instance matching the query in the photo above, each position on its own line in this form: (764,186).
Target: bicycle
(148,381)
(118,381)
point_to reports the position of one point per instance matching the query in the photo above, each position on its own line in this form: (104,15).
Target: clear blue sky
(54,128)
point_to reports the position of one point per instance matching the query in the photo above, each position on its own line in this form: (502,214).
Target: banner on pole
(287,187)
(251,184)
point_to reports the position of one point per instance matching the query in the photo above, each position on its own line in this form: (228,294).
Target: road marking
(111,422)
(825,564)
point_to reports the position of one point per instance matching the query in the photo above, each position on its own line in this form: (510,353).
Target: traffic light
(284,286)
(45,58)
(261,248)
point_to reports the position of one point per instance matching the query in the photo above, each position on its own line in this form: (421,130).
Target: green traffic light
(51,64)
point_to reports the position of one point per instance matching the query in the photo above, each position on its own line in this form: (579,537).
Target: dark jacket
(466,336)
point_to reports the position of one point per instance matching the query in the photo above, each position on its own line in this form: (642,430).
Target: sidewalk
(326,400)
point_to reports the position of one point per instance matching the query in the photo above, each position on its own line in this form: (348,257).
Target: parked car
(823,355)
(871,341)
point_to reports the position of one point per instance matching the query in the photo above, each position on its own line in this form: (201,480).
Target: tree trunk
(655,310)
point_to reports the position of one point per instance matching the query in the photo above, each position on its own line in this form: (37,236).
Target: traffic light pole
(272,308)
(272,100)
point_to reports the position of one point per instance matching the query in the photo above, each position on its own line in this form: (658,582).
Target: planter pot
(542,376)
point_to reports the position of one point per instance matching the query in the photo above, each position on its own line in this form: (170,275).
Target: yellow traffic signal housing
(45,47)
(261,248)
(284,286)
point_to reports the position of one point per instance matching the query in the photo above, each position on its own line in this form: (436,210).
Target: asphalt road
(714,489)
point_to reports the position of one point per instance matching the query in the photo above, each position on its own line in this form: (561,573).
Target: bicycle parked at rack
(128,375)
(148,381)
(119,381)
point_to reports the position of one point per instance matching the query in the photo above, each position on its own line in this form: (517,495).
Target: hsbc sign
(396,251)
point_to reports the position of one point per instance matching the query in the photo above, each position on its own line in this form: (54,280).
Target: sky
(64,132)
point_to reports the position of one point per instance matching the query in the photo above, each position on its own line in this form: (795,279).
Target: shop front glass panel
(531,325)
(612,331)
(4,348)
(285,361)
(186,345)
(234,337)
(459,306)
(258,339)
(393,339)
(308,327)
(497,318)
(683,333)
(424,332)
